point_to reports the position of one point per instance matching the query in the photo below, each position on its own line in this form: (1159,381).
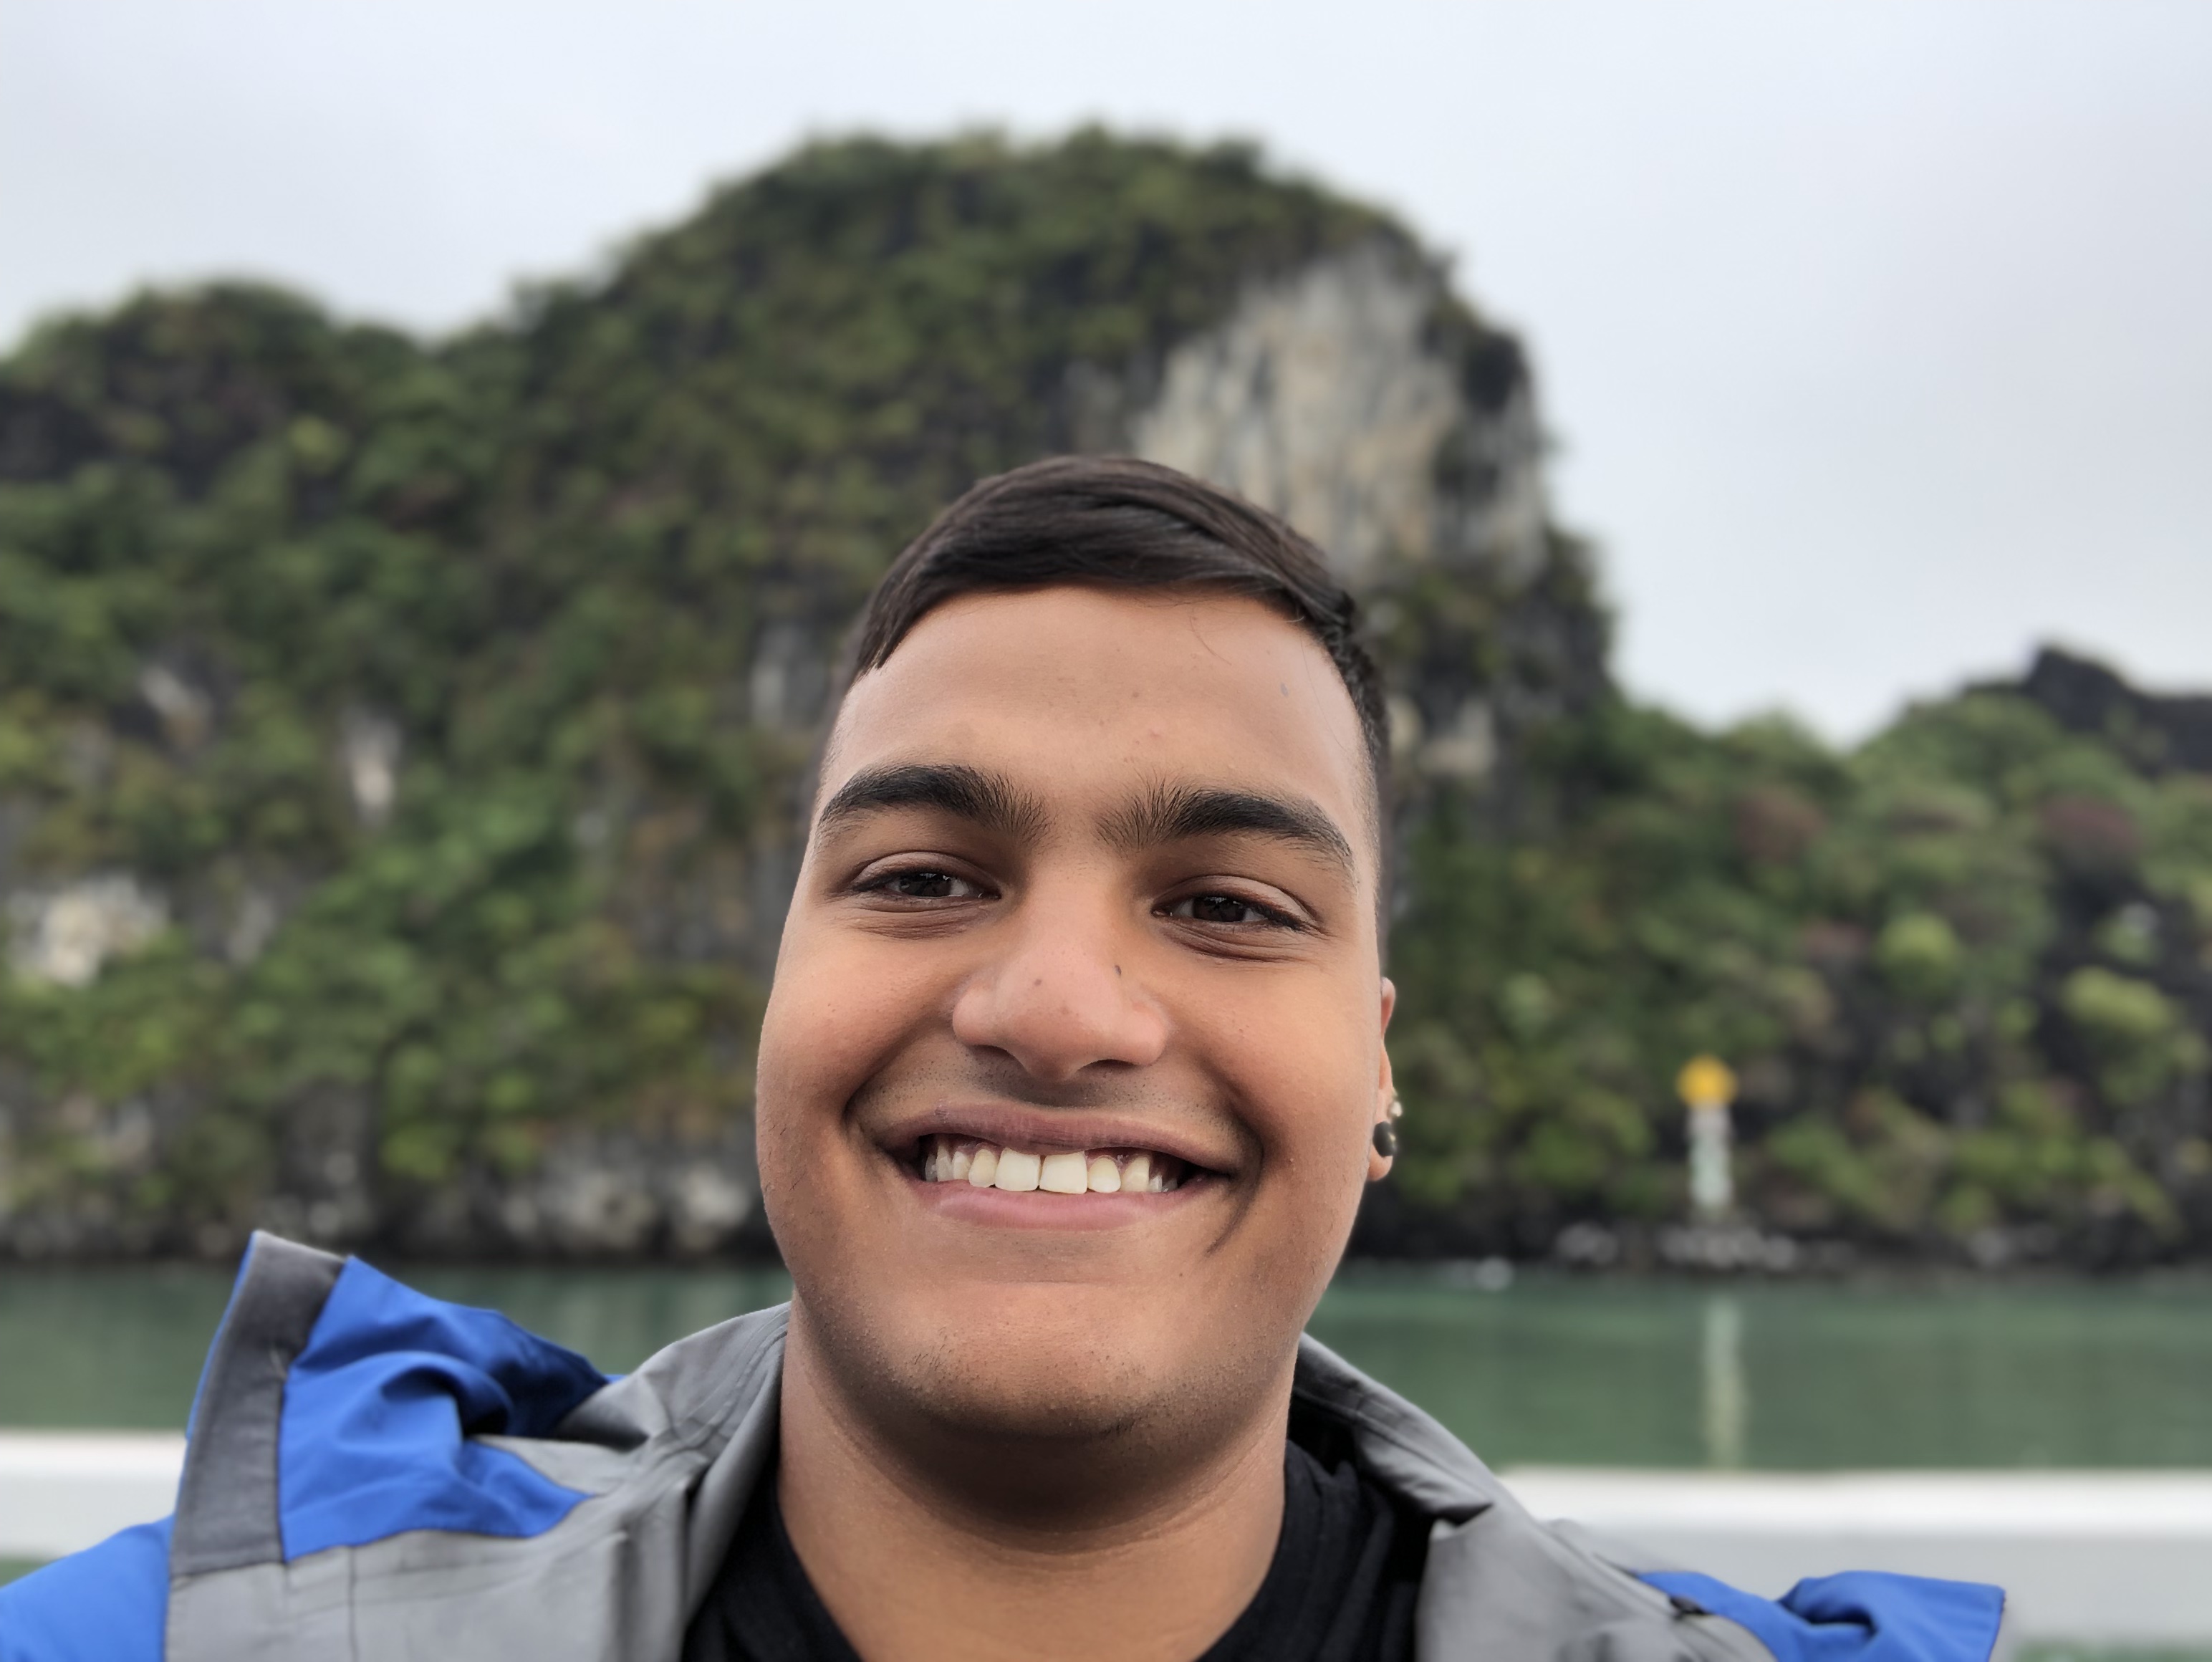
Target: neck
(923,1550)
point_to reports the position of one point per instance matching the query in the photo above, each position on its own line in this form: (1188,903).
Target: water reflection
(1726,1401)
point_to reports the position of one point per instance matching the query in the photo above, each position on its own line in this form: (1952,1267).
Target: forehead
(1083,692)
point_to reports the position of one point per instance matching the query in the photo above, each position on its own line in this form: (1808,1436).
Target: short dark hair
(1120,522)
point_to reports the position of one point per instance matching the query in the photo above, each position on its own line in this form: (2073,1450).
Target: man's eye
(1221,909)
(927,885)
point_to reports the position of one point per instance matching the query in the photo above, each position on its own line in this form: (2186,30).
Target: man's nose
(1059,996)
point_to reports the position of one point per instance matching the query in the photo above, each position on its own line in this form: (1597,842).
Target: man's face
(1090,897)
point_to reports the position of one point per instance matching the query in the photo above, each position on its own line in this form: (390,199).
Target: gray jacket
(649,1476)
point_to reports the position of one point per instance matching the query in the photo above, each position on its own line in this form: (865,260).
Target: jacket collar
(719,1391)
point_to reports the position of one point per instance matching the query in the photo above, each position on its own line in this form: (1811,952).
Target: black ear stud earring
(1386,1129)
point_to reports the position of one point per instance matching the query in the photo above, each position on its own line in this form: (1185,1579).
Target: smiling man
(1070,1081)
(1069,1088)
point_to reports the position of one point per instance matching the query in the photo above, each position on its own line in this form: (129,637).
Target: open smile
(1007,1163)
(981,1165)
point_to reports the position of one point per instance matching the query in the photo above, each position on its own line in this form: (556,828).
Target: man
(1070,1083)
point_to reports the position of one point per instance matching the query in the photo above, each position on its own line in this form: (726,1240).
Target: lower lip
(1037,1208)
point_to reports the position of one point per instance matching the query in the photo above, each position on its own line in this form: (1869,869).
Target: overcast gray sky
(1876,337)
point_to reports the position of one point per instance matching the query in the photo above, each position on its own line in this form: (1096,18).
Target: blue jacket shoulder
(1864,1616)
(106,1604)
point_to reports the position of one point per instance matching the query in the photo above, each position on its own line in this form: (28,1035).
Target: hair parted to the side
(1120,522)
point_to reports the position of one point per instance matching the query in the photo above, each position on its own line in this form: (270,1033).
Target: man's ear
(1386,1094)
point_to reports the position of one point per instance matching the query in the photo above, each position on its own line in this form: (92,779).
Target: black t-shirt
(1342,1587)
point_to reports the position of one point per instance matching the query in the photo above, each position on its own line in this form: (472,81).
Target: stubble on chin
(1040,1437)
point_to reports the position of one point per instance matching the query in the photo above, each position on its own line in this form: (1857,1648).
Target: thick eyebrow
(1173,813)
(987,799)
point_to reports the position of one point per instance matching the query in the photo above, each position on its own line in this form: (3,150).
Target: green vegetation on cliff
(398,745)
(1962,971)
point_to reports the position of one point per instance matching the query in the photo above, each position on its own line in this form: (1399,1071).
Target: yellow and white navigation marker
(1707,1086)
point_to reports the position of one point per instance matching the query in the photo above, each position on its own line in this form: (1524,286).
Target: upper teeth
(1097,1170)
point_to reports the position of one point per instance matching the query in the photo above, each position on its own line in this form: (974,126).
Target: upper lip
(1055,1130)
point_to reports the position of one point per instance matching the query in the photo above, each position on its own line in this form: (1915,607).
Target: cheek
(1306,1075)
(1307,1089)
(818,1038)
(838,1013)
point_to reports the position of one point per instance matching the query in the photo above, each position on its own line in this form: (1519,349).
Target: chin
(1034,1368)
(1026,1364)
(1087,1399)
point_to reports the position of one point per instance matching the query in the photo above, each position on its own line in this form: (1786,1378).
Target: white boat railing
(2097,1558)
(2094,1557)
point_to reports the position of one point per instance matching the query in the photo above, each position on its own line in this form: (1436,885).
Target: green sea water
(1548,1370)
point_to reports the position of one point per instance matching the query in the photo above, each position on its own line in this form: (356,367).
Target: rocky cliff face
(1354,396)
(397,742)
(1331,394)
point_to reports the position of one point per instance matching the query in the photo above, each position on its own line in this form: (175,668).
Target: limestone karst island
(399,744)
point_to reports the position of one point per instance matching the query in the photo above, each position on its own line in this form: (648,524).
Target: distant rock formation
(2160,733)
